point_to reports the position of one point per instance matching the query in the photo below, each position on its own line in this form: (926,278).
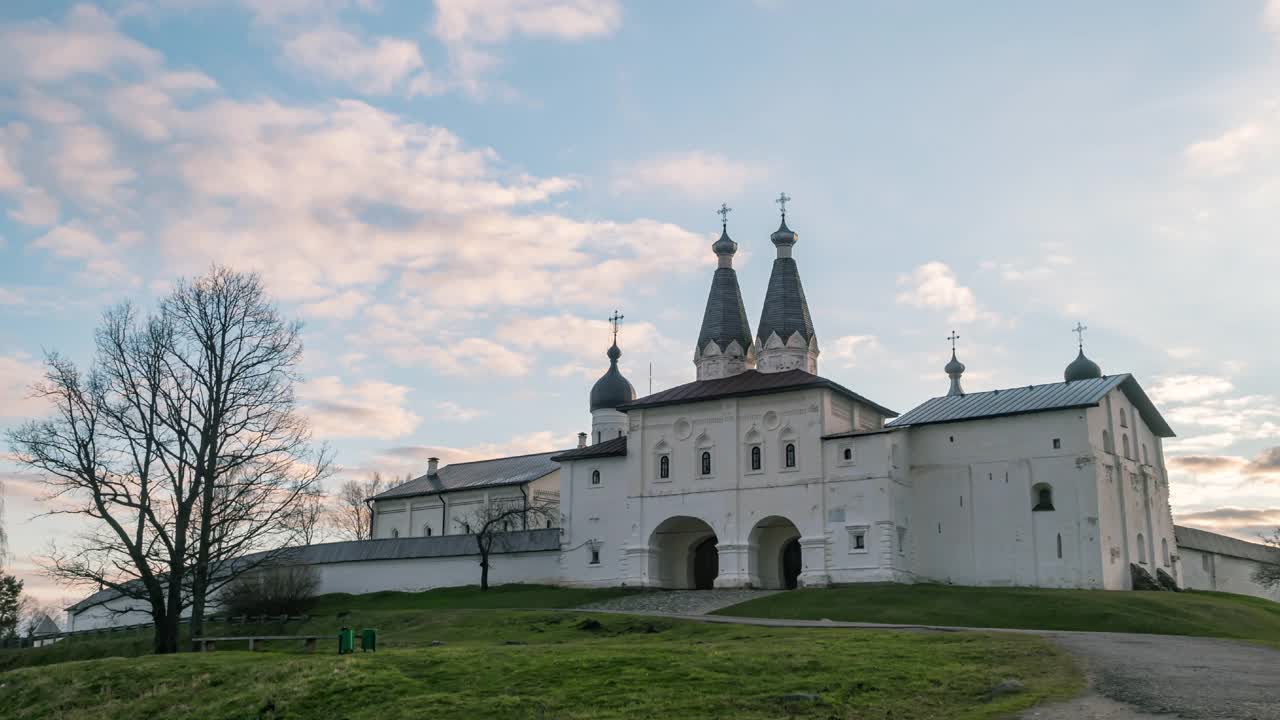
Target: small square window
(595,556)
(857,539)
(1057,443)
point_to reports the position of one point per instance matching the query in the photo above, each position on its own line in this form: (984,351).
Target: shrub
(288,590)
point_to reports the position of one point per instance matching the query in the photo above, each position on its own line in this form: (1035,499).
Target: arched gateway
(683,554)
(775,554)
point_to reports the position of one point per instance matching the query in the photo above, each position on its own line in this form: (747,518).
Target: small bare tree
(491,523)
(353,518)
(1268,574)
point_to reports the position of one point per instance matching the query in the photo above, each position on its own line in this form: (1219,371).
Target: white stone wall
(1203,570)
(416,574)
(973,489)
(1135,517)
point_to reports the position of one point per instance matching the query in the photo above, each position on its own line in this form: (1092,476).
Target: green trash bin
(368,640)
(346,641)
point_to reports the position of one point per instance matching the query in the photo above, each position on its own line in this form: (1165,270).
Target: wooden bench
(208,644)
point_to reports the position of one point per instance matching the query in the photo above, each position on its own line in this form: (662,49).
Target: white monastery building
(763,473)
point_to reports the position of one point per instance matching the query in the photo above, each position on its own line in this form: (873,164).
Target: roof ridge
(494,459)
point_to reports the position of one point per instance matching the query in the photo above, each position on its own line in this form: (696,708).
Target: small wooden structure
(208,644)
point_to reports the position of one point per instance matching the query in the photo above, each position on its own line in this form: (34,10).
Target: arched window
(595,477)
(426,531)
(1042,494)
(1164,551)
(1059,546)
(790,455)
(1142,549)
(1145,460)
(1124,419)
(664,467)
(706,463)
(395,532)
(1124,443)
(1106,442)
(756,462)
(548,523)
(848,454)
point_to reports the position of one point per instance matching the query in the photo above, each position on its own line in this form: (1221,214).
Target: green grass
(567,667)
(1185,613)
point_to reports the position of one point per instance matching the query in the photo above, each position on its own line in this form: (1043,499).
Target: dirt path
(1131,677)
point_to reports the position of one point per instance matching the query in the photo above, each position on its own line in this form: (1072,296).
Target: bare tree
(1268,574)
(4,535)
(353,517)
(183,442)
(491,523)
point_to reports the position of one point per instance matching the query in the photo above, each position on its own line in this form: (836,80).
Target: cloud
(849,350)
(581,337)
(469,28)
(88,43)
(1225,154)
(450,411)
(934,286)
(377,66)
(371,409)
(1271,15)
(18,374)
(342,306)
(1266,462)
(1188,388)
(103,262)
(1251,524)
(1206,463)
(695,173)
(412,459)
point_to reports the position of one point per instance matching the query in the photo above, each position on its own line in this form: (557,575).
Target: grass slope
(571,666)
(1185,613)
(403,617)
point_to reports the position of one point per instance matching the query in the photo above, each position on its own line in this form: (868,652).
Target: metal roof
(387,549)
(609,448)
(1034,398)
(785,310)
(725,318)
(1205,541)
(497,472)
(750,382)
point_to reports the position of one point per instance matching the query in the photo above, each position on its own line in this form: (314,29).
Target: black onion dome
(1082,368)
(612,389)
(784,235)
(955,367)
(725,245)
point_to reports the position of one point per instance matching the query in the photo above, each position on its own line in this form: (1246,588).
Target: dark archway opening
(706,564)
(791,564)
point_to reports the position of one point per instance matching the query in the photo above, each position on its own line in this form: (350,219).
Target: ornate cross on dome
(782,201)
(1079,331)
(723,212)
(953,337)
(616,320)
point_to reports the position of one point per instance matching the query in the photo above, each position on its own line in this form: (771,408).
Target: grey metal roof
(387,549)
(45,626)
(1205,541)
(725,318)
(609,448)
(750,382)
(1034,398)
(785,310)
(497,472)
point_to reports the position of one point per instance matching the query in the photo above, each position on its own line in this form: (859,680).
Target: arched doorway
(706,564)
(791,564)
(683,554)
(776,561)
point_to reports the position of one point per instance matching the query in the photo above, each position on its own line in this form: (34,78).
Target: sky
(453,196)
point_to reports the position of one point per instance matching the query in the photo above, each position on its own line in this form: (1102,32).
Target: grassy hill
(1185,613)
(506,663)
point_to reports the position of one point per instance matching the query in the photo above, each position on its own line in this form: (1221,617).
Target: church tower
(610,391)
(724,343)
(1082,368)
(784,336)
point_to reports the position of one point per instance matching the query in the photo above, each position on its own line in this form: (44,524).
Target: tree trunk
(484,571)
(166,635)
